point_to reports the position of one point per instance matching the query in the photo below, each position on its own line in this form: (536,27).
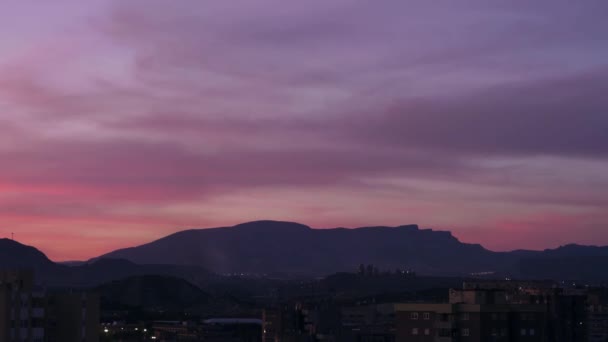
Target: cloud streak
(141,118)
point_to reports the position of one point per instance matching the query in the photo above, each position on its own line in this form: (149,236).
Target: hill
(163,295)
(285,249)
(152,292)
(272,247)
(14,255)
(265,247)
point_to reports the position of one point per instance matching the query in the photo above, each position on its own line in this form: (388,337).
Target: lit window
(466,332)
(426,316)
(523,332)
(532,332)
(427,331)
(415,331)
(414,315)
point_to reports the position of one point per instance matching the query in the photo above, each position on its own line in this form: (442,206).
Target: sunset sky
(124,121)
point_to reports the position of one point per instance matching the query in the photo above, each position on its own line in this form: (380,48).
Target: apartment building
(32,314)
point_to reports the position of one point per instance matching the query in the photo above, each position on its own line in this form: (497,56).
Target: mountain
(272,247)
(574,250)
(291,249)
(106,270)
(165,294)
(265,247)
(569,262)
(14,255)
(152,292)
(72,263)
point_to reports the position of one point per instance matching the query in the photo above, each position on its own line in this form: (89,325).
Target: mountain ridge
(220,249)
(289,248)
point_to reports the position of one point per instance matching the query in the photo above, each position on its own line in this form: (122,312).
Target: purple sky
(124,121)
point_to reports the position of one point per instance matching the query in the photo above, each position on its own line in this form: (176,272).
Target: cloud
(561,116)
(454,115)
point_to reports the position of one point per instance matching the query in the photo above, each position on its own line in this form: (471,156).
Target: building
(72,316)
(374,322)
(485,311)
(33,314)
(498,311)
(301,321)
(597,315)
(470,322)
(566,308)
(231,330)
(284,323)
(175,331)
(21,308)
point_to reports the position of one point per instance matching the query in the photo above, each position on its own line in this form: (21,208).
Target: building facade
(31,314)
(470,322)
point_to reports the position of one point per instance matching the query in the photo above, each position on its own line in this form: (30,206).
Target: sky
(124,121)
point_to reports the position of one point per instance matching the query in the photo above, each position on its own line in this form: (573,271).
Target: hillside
(14,255)
(163,295)
(286,248)
(152,292)
(283,247)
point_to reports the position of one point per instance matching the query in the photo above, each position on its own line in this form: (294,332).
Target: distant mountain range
(14,255)
(272,247)
(158,296)
(152,291)
(292,249)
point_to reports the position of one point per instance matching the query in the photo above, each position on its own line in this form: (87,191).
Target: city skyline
(121,123)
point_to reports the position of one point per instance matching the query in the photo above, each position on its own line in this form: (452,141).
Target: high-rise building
(507,312)
(597,315)
(470,322)
(32,314)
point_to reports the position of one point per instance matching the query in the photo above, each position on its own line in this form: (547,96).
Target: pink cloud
(134,118)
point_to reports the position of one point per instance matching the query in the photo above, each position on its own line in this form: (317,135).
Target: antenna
(13,236)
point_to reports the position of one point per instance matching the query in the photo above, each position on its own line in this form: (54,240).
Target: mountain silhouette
(292,249)
(285,247)
(569,262)
(274,247)
(14,255)
(152,292)
(156,294)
